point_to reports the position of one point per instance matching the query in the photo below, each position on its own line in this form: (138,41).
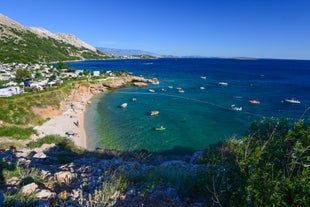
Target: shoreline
(69,120)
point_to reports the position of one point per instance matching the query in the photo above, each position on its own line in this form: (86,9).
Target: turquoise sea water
(196,118)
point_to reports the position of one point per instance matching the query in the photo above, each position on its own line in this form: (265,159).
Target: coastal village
(36,77)
(42,76)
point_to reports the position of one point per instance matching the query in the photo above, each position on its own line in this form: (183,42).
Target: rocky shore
(93,178)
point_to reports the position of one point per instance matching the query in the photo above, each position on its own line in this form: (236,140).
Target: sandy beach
(69,121)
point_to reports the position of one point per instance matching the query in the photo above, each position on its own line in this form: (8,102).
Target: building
(96,73)
(10,91)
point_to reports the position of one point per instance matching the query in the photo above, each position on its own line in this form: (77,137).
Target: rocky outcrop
(94,181)
(117,82)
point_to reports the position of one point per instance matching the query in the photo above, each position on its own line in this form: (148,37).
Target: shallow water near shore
(198,117)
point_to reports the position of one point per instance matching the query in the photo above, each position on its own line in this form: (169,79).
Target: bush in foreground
(270,166)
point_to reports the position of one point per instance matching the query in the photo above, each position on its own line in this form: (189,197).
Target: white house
(96,73)
(5,77)
(38,84)
(10,91)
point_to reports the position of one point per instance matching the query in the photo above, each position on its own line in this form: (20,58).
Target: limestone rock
(140,84)
(14,181)
(64,195)
(45,194)
(39,155)
(29,189)
(47,147)
(65,177)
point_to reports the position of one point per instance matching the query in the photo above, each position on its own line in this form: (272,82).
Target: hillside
(19,43)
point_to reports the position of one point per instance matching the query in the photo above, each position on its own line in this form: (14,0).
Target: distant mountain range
(19,43)
(127,52)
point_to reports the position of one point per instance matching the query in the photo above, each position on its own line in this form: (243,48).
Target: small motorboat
(223,84)
(153,113)
(292,101)
(133,99)
(203,77)
(163,90)
(151,90)
(160,128)
(236,108)
(181,91)
(123,105)
(253,101)
(202,88)
(170,87)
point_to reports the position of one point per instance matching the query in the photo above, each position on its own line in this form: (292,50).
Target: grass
(17,109)
(27,175)
(18,199)
(110,187)
(16,132)
(11,144)
(68,150)
(63,142)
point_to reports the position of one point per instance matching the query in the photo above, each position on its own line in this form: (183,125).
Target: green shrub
(104,196)
(16,132)
(269,167)
(26,174)
(18,199)
(63,142)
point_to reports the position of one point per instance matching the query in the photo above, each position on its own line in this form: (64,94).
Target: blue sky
(226,28)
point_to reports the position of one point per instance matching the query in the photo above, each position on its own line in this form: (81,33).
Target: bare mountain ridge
(67,38)
(41,44)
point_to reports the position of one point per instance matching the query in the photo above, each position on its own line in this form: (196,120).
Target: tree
(53,77)
(62,65)
(22,74)
(39,75)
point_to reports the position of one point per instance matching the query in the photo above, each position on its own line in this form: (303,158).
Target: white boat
(202,88)
(236,108)
(153,113)
(160,128)
(123,105)
(203,77)
(170,87)
(151,90)
(133,99)
(181,91)
(292,101)
(223,84)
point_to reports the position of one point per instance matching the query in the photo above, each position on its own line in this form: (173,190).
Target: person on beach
(76,123)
